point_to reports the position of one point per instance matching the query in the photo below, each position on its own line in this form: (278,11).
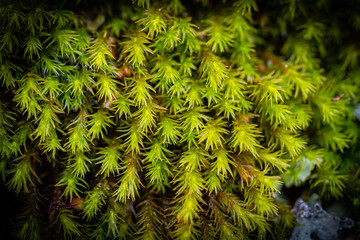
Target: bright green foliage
(154,23)
(220,39)
(70,183)
(158,165)
(110,158)
(129,182)
(99,53)
(99,122)
(212,134)
(78,140)
(244,137)
(136,50)
(93,202)
(176,119)
(213,70)
(79,164)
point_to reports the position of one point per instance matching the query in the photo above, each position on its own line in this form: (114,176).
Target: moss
(175,119)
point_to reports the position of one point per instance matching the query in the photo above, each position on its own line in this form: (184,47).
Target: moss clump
(171,119)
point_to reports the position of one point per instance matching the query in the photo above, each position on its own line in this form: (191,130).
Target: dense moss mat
(176,119)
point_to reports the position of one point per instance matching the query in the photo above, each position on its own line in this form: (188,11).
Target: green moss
(171,119)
